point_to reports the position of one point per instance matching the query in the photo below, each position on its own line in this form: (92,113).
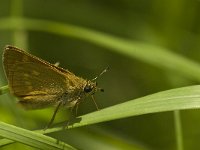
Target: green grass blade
(151,54)
(4,142)
(3,89)
(178,130)
(170,100)
(30,138)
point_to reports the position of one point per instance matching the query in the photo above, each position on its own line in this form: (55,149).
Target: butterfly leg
(71,116)
(95,102)
(54,114)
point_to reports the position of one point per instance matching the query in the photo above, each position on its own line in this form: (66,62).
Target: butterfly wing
(36,82)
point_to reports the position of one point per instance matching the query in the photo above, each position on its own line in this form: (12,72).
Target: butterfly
(39,84)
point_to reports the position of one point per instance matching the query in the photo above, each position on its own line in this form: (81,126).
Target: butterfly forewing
(36,82)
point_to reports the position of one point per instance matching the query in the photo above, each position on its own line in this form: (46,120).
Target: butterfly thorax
(77,90)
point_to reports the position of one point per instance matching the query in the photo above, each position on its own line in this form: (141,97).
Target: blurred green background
(172,25)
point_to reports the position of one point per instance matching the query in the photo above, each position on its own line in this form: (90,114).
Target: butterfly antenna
(104,71)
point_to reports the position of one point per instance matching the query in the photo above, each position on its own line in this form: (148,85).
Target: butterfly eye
(87,88)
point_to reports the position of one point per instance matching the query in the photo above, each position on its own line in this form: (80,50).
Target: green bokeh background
(171,24)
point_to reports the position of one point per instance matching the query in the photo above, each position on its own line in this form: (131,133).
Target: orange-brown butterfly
(39,84)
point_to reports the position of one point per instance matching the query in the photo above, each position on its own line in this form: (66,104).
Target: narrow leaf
(30,138)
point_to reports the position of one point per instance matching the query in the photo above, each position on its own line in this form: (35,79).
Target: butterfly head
(91,87)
